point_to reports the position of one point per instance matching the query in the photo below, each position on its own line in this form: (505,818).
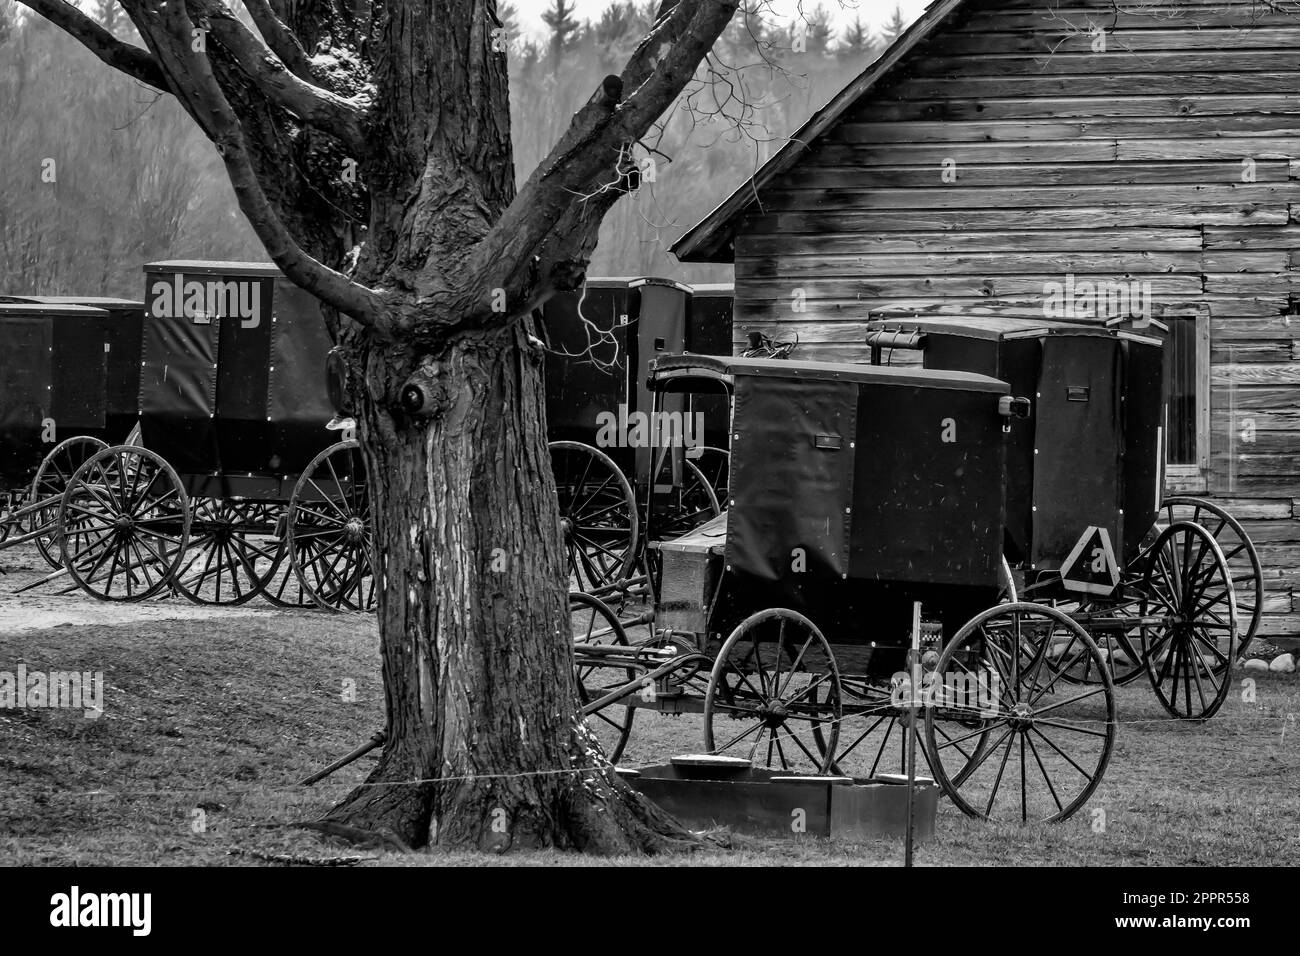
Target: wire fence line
(1286,722)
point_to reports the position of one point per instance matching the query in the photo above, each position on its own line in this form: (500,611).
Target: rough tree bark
(435,263)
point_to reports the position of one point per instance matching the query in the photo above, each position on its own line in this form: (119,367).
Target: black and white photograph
(692,434)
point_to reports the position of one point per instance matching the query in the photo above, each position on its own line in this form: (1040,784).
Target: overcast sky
(873,12)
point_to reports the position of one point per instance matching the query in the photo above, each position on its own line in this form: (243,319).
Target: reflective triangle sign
(1091,567)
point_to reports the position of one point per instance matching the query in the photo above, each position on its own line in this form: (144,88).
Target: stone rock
(1255,664)
(1283,664)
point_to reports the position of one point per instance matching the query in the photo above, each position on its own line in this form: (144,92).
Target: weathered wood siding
(1127,164)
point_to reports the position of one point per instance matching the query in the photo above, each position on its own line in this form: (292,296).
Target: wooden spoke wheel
(873,732)
(592,622)
(685,507)
(1189,646)
(1113,624)
(774,683)
(1009,737)
(123,524)
(281,586)
(52,477)
(715,465)
(598,515)
(329,530)
(873,736)
(232,554)
(1008,589)
(1238,550)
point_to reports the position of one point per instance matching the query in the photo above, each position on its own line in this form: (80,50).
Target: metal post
(914,669)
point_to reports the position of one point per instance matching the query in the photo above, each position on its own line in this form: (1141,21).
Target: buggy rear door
(1078,444)
(24,395)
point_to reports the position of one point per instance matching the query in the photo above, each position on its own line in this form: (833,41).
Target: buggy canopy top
(1090,463)
(848,481)
(122,336)
(233,372)
(53,381)
(673,370)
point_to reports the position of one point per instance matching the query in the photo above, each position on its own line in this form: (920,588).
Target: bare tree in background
(102,173)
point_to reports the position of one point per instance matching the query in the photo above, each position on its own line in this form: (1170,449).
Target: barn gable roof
(708,240)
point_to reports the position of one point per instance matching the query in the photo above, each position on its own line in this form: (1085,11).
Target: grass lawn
(223,716)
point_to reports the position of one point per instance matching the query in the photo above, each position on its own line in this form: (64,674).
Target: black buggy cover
(122,336)
(233,379)
(602,339)
(1091,455)
(856,490)
(53,382)
(644,319)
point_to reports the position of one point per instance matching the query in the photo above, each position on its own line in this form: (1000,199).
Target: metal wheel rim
(1016,715)
(77,522)
(47,545)
(619,635)
(1170,650)
(235,562)
(1250,599)
(826,714)
(589,573)
(309,535)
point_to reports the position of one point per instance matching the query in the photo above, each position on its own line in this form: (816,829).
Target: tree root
(286,859)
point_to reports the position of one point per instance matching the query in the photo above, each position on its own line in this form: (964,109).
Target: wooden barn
(1002,152)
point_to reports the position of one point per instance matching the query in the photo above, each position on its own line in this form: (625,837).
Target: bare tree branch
(169,31)
(655,74)
(125,57)
(337,115)
(280,38)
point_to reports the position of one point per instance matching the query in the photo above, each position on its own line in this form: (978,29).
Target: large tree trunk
(476,648)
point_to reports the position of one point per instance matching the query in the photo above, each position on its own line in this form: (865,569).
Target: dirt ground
(59,603)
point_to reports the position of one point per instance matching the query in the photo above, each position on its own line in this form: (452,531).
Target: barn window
(1187,395)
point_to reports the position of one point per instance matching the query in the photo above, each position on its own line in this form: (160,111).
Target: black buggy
(68,379)
(625,468)
(238,484)
(1168,586)
(865,507)
(227,490)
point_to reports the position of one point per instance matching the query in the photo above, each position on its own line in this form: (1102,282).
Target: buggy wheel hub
(1021,717)
(123,522)
(354,530)
(566,527)
(773,714)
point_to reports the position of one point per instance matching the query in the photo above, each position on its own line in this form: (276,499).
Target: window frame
(1194,477)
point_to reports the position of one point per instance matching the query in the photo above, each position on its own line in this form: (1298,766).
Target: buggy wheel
(1043,743)
(592,622)
(774,683)
(1007,590)
(1238,550)
(689,506)
(1115,637)
(1191,639)
(281,586)
(598,515)
(715,465)
(231,555)
(52,477)
(329,530)
(873,732)
(124,523)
